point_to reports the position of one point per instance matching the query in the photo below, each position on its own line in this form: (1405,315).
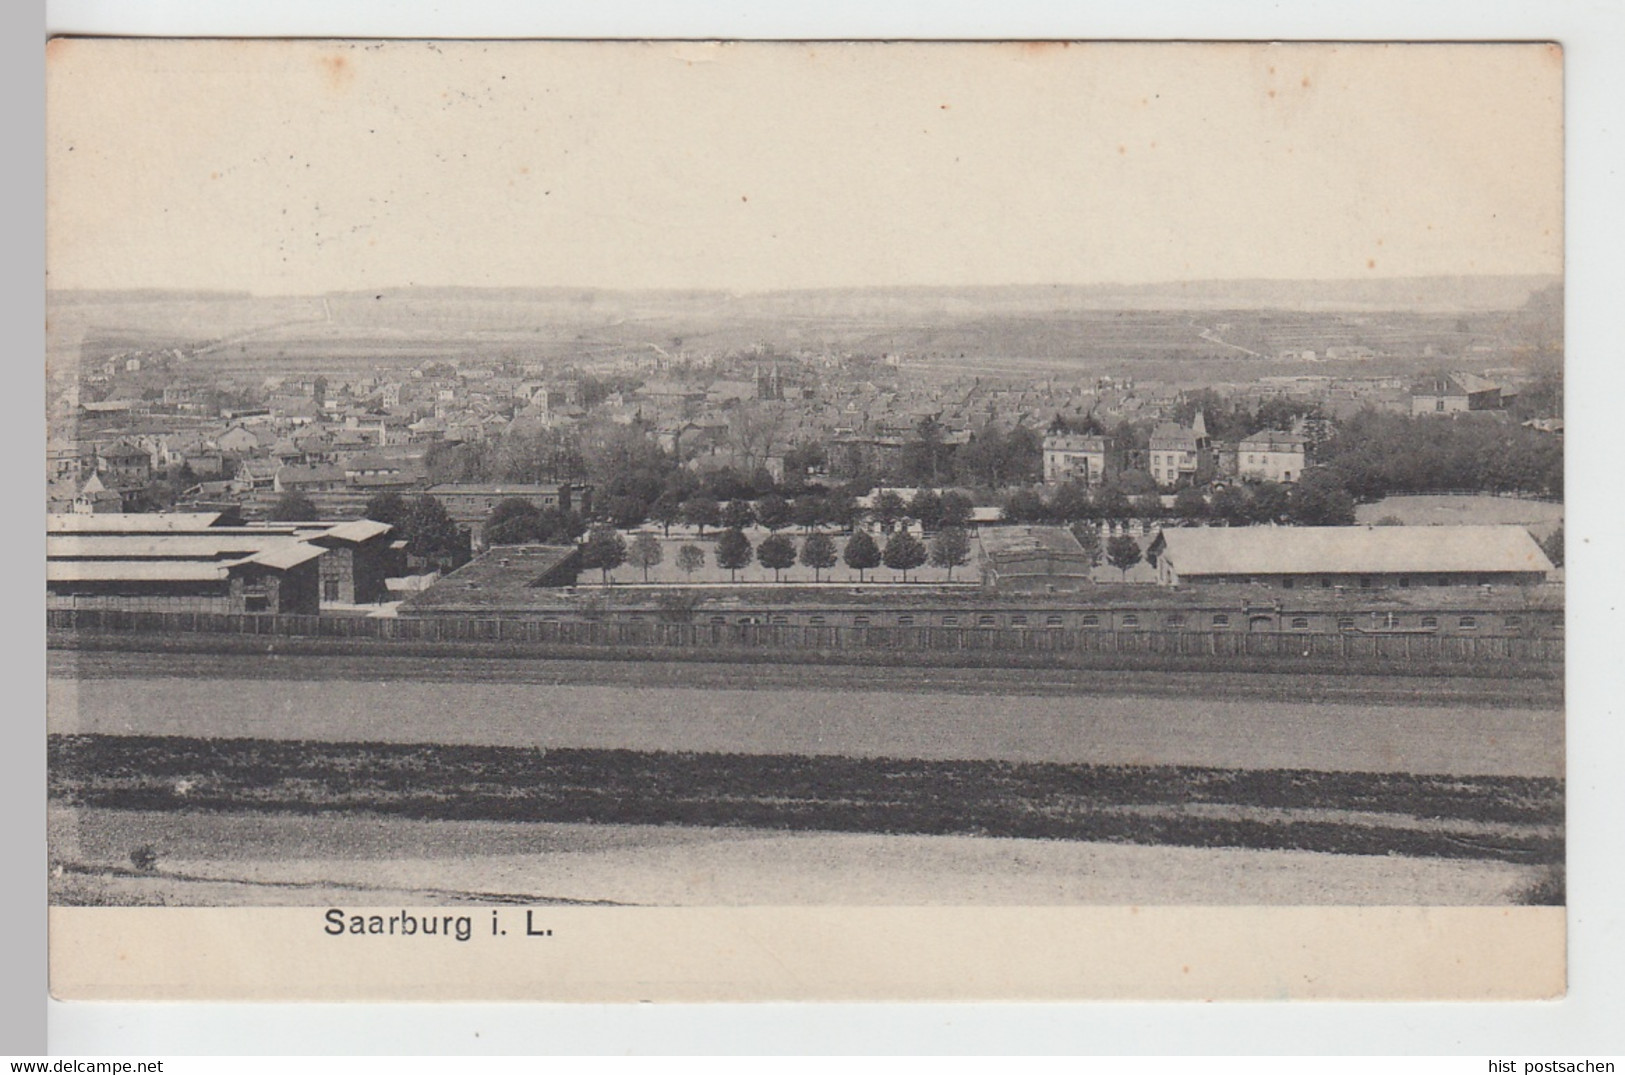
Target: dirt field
(433,780)
(268,860)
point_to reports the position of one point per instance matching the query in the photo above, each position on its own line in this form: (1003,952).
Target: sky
(300,167)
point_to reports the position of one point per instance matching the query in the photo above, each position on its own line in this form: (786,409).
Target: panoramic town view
(1211,588)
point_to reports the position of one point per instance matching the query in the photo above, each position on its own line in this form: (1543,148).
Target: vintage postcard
(776,521)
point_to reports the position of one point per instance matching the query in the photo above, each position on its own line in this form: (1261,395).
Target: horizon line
(810,289)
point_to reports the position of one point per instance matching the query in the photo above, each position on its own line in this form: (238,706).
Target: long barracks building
(1349,557)
(537,584)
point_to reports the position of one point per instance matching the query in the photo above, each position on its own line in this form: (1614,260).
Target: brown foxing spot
(338,71)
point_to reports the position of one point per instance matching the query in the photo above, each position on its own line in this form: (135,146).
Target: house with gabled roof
(1454,393)
(242,441)
(123,465)
(1179,456)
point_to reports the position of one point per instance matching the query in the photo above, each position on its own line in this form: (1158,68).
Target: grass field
(85,658)
(1011,715)
(1540,516)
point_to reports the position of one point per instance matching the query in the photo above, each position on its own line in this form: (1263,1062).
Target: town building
(89,497)
(68,460)
(1349,557)
(1074,457)
(314,478)
(1270,455)
(123,465)
(359,556)
(1180,456)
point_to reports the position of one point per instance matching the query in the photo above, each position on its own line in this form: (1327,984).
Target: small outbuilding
(506,579)
(1033,559)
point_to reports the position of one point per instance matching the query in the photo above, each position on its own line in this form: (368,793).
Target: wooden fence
(1350,647)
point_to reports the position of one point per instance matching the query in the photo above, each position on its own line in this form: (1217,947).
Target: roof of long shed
(1309,550)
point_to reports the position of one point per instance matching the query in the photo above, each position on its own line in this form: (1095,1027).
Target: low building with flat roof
(508,579)
(1033,559)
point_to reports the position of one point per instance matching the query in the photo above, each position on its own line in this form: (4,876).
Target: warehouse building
(182,573)
(195,562)
(1349,557)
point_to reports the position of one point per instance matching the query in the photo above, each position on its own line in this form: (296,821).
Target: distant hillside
(68,297)
(1105,323)
(1432,294)
(1428,294)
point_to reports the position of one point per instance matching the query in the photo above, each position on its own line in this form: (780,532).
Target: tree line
(606,549)
(1374,454)
(1318,499)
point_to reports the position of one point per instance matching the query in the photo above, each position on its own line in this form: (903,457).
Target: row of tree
(932,510)
(605,549)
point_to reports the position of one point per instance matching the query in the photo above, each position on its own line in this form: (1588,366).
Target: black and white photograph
(505,497)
